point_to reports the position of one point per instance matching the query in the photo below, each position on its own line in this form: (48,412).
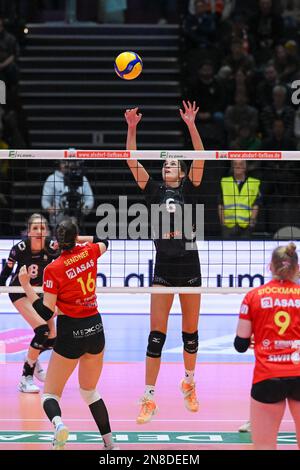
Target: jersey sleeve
(245,309)
(95,250)
(14,254)
(52,248)
(50,282)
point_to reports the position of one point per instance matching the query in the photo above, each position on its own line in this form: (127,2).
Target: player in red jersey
(271,313)
(69,284)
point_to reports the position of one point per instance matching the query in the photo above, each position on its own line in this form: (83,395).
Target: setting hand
(132,117)
(189,113)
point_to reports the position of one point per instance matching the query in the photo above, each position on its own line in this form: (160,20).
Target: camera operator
(67,193)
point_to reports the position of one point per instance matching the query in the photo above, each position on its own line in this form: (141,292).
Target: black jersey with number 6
(34,261)
(174,234)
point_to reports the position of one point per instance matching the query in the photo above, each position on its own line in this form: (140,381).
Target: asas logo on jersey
(266,302)
(71,273)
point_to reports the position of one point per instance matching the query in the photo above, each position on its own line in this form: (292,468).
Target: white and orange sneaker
(60,437)
(190,397)
(246,427)
(148,409)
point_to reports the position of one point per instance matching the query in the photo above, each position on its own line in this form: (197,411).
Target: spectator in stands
(246,139)
(165,10)
(8,54)
(291,13)
(278,110)
(112,11)
(201,27)
(239,59)
(264,95)
(240,115)
(207,86)
(266,29)
(240,10)
(211,116)
(239,202)
(280,59)
(14,133)
(244,84)
(67,193)
(292,69)
(279,139)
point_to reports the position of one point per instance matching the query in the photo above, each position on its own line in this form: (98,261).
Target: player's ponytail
(66,234)
(284,262)
(183,167)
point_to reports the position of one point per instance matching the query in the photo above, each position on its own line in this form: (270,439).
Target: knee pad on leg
(49,396)
(156,342)
(40,338)
(190,342)
(90,396)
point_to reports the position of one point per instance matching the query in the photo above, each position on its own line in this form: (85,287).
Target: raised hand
(132,117)
(189,113)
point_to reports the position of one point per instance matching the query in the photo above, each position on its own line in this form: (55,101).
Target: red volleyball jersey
(274,310)
(72,277)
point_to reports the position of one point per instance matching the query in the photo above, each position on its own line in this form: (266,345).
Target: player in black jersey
(35,252)
(176,263)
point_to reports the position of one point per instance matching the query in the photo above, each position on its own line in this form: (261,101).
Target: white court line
(83,420)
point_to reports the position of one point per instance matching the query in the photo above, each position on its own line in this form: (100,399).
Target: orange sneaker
(148,409)
(190,397)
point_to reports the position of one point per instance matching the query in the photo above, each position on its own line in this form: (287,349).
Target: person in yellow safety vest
(239,202)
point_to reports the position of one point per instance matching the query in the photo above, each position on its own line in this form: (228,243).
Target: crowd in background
(239,66)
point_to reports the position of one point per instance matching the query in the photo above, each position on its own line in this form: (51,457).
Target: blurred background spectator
(67,193)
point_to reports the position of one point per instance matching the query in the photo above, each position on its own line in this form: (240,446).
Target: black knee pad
(40,338)
(190,342)
(156,342)
(49,344)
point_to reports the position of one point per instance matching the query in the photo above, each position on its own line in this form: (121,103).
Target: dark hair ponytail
(183,167)
(66,233)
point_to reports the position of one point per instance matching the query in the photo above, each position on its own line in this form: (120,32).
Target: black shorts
(15,297)
(181,271)
(77,336)
(276,390)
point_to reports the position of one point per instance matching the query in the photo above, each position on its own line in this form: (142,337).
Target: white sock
(31,362)
(56,421)
(149,391)
(189,376)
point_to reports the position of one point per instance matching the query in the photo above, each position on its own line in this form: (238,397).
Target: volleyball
(128,65)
